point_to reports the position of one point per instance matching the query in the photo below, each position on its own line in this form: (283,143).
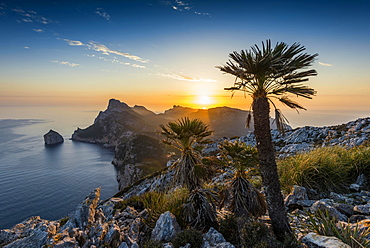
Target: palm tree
(245,200)
(271,73)
(188,136)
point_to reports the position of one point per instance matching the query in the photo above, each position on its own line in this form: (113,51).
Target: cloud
(38,30)
(103,13)
(182,5)
(26,47)
(74,42)
(324,64)
(107,51)
(185,78)
(31,16)
(65,63)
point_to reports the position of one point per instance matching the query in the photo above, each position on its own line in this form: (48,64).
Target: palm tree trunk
(268,168)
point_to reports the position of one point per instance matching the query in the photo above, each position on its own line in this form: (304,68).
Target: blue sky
(160,53)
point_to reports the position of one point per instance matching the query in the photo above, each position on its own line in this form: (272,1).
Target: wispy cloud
(31,16)
(102,13)
(107,51)
(185,78)
(26,47)
(184,6)
(66,63)
(38,30)
(325,64)
(74,42)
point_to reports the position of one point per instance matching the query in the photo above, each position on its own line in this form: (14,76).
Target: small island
(53,138)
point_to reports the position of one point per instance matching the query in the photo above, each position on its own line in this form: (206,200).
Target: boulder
(363,209)
(325,207)
(298,198)
(165,228)
(214,239)
(313,240)
(53,138)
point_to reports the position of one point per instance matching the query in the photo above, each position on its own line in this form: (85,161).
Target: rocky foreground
(97,223)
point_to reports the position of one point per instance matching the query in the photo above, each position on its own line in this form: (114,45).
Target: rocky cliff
(119,122)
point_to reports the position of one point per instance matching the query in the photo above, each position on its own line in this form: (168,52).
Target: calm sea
(49,181)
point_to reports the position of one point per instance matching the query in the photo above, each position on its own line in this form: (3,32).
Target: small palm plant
(244,199)
(189,136)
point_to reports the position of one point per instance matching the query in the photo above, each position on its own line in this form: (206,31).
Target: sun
(204,101)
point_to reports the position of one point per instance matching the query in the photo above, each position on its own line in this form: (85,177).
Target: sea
(37,180)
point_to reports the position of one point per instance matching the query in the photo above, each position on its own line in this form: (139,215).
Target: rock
(313,240)
(355,187)
(325,207)
(356,218)
(112,238)
(344,209)
(33,232)
(361,183)
(165,228)
(363,209)
(298,198)
(85,212)
(214,239)
(138,157)
(52,138)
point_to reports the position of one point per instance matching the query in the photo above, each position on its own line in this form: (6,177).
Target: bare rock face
(52,138)
(214,239)
(165,228)
(315,240)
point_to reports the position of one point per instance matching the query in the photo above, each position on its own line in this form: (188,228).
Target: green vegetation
(325,169)
(187,136)
(243,199)
(323,224)
(191,236)
(157,203)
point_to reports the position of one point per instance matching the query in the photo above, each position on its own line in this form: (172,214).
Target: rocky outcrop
(214,239)
(140,156)
(53,138)
(165,228)
(314,240)
(351,134)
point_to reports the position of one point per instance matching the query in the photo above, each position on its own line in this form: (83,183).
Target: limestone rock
(323,207)
(214,239)
(85,212)
(313,240)
(298,198)
(52,138)
(165,228)
(363,209)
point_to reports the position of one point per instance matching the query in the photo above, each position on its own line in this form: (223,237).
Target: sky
(159,53)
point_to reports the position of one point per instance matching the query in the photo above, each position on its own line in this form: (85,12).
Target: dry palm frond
(199,210)
(246,200)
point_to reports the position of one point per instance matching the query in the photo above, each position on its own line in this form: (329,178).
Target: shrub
(153,244)
(229,229)
(255,234)
(325,225)
(191,236)
(324,169)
